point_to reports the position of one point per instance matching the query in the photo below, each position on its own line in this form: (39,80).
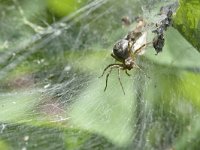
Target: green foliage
(4,145)
(187,21)
(19,136)
(64,7)
(14,106)
(190,88)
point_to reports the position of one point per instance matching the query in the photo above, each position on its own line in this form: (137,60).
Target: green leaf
(187,21)
(15,106)
(190,87)
(190,137)
(4,145)
(63,7)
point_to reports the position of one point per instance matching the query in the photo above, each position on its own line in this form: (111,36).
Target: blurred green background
(51,55)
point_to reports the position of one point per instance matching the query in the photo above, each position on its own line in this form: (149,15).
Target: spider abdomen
(120,49)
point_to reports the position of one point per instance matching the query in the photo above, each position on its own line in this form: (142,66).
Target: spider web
(50,93)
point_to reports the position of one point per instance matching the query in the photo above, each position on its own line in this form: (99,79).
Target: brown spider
(123,53)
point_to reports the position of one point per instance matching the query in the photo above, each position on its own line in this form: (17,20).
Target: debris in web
(161,27)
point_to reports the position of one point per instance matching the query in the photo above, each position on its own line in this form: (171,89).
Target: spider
(124,54)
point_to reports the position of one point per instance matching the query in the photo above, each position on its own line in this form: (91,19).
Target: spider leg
(137,51)
(120,80)
(111,65)
(107,79)
(127,73)
(130,45)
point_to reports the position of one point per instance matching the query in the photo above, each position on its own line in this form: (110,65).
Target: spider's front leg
(119,78)
(127,73)
(109,66)
(107,78)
